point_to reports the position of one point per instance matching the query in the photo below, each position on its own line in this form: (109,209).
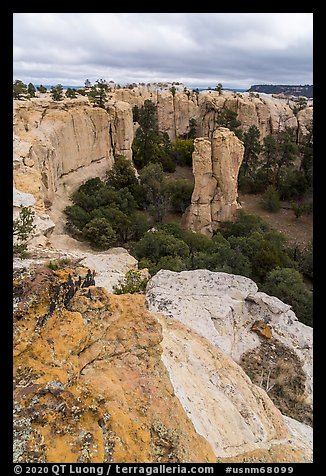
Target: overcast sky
(198,49)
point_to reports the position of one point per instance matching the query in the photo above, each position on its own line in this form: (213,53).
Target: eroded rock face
(217,395)
(216,165)
(223,308)
(58,145)
(267,113)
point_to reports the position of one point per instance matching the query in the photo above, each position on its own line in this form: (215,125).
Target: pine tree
(42,89)
(19,89)
(31,90)
(57,92)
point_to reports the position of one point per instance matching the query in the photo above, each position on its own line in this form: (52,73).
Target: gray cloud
(199,49)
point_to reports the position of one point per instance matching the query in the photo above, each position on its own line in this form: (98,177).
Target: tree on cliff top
(97,96)
(41,89)
(19,89)
(219,88)
(71,93)
(57,92)
(31,90)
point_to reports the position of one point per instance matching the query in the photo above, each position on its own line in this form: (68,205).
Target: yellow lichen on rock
(89,383)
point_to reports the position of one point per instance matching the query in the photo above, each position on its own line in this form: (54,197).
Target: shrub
(99,233)
(182,150)
(181,192)
(132,283)
(23,229)
(306,261)
(122,175)
(53,266)
(245,224)
(271,200)
(57,92)
(287,284)
(155,245)
(77,216)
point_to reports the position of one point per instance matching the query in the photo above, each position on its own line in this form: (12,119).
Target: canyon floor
(298,231)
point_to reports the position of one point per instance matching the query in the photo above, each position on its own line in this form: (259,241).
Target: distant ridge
(290,90)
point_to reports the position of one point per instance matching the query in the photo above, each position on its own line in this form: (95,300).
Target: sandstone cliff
(58,145)
(216,165)
(268,113)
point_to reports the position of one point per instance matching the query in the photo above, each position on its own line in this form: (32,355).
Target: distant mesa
(288,90)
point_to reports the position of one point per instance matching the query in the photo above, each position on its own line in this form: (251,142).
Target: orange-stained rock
(89,383)
(262,329)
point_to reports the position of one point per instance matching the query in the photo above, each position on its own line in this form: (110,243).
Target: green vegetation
(271,200)
(287,284)
(57,92)
(152,146)
(252,151)
(180,194)
(182,150)
(280,167)
(219,88)
(132,283)
(23,229)
(42,89)
(155,190)
(71,93)
(31,90)
(228,118)
(97,96)
(19,89)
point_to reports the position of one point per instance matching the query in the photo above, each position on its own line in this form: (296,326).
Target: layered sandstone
(58,145)
(216,165)
(267,113)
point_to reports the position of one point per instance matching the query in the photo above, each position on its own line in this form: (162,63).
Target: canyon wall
(58,145)
(268,113)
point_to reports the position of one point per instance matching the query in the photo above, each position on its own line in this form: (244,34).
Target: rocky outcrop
(222,308)
(235,416)
(98,378)
(216,165)
(111,265)
(89,383)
